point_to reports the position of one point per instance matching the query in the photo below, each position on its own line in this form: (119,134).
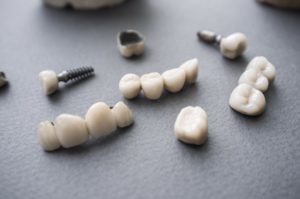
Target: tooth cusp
(191,125)
(234,45)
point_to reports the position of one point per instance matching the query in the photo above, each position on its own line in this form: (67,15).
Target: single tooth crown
(254,78)
(49,81)
(190,68)
(262,65)
(259,73)
(130,85)
(152,85)
(122,114)
(71,130)
(247,100)
(100,120)
(174,79)
(234,45)
(3,80)
(191,125)
(130,43)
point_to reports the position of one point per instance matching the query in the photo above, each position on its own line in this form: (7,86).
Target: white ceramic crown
(247,100)
(100,120)
(234,45)
(130,85)
(260,73)
(191,125)
(49,81)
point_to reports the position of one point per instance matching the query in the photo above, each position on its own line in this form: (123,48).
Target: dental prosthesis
(259,73)
(231,46)
(70,130)
(50,79)
(83,4)
(131,43)
(191,125)
(248,98)
(153,84)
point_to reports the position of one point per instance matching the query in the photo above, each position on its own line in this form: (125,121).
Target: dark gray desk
(243,158)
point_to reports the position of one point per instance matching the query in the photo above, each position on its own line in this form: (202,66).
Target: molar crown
(247,100)
(260,73)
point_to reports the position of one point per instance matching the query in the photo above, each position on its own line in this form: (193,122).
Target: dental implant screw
(76,73)
(209,37)
(50,79)
(3,80)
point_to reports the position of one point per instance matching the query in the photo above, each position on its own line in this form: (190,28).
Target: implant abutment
(209,37)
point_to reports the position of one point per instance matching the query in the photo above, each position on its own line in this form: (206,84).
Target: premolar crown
(130,85)
(50,79)
(231,46)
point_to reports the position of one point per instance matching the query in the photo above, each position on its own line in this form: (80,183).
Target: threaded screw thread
(76,73)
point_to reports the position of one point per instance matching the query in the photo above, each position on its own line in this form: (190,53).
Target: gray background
(243,158)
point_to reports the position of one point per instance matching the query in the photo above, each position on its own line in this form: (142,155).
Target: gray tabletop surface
(244,157)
